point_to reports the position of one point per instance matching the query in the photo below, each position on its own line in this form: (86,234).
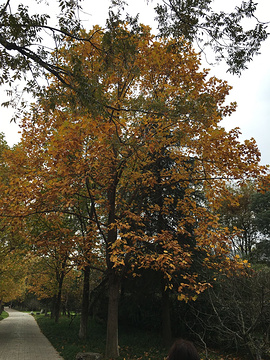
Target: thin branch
(5,8)
(94,210)
(53,69)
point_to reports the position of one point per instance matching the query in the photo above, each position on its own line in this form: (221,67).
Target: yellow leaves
(13,270)
(148,180)
(139,105)
(193,289)
(182,297)
(117,261)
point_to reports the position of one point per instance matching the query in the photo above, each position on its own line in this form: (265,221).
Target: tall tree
(140,99)
(25,35)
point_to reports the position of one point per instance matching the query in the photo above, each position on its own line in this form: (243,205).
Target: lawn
(64,337)
(134,344)
(3,315)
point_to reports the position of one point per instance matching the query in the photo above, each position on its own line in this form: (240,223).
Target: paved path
(21,339)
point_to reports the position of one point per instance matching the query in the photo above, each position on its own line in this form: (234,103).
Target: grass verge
(64,337)
(134,344)
(3,315)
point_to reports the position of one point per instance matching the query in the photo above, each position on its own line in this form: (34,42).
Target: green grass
(64,337)
(134,344)
(3,315)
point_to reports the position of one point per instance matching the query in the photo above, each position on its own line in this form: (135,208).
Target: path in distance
(21,339)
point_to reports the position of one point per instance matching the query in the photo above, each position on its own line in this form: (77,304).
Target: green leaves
(222,32)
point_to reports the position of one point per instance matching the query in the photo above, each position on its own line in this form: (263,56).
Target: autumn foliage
(132,159)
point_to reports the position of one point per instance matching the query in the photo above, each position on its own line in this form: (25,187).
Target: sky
(251,91)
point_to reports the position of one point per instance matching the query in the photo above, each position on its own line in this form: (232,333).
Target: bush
(235,314)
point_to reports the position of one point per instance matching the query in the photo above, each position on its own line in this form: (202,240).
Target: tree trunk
(166,319)
(59,298)
(112,350)
(53,307)
(58,306)
(85,304)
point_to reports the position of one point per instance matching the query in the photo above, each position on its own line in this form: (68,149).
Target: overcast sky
(251,91)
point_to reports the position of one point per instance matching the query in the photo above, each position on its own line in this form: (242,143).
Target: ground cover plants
(3,315)
(134,344)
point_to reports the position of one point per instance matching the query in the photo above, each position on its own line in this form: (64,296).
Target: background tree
(13,274)
(261,209)
(53,244)
(248,212)
(13,247)
(238,213)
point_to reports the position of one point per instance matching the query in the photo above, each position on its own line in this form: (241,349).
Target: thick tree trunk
(59,298)
(85,304)
(166,319)
(58,305)
(112,350)
(1,306)
(53,307)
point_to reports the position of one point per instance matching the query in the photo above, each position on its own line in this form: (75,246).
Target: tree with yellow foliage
(53,246)
(13,251)
(139,101)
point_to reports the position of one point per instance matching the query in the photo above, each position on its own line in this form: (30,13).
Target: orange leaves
(13,271)
(135,158)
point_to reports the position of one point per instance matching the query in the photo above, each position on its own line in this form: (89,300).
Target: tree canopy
(27,37)
(123,162)
(224,33)
(143,136)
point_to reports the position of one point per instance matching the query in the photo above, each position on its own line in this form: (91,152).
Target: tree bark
(58,305)
(85,304)
(1,306)
(112,349)
(53,306)
(166,318)
(59,298)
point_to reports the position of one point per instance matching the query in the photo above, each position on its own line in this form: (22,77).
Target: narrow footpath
(21,339)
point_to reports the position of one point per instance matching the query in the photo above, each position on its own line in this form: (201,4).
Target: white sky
(251,91)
